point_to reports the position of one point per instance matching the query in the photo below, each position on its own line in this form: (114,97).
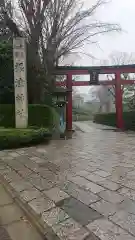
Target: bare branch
(55,28)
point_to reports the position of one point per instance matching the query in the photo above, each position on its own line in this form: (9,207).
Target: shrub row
(38,116)
(40,123)
(15,138)
(110,119)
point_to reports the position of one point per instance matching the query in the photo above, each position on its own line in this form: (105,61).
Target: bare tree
(124,58)
(68,26)
(121,58)
(54,28)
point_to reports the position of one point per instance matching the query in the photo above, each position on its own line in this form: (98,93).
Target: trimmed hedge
(106,119)
(39,116)
(15,138)
(110,119)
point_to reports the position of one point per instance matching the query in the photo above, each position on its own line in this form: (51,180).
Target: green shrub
(6,73)
(110,119)
(15,138)
(39,116)
(106,119)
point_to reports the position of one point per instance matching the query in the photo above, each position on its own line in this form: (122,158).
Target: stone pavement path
(80,189)
(13,223)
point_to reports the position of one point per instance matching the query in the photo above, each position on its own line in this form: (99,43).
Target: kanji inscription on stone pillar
(20,83)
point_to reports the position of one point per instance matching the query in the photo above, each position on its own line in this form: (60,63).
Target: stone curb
(46,232)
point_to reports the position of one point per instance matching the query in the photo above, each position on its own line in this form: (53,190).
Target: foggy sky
(117,11)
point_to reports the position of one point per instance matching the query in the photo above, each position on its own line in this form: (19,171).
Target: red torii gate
(94,72)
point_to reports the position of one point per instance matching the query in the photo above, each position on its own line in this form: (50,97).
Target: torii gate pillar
(69,103)
(118,101)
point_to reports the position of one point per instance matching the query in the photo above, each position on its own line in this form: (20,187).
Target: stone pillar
(20,83)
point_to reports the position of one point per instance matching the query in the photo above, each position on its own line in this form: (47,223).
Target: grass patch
(16,138)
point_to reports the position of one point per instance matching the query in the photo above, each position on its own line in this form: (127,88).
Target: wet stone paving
(81,188)
(14,224)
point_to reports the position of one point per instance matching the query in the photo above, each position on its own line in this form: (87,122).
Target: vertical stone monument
(20,82)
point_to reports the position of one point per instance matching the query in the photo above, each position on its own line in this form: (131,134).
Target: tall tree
(54,29)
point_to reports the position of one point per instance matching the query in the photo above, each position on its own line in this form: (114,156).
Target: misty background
(116,11)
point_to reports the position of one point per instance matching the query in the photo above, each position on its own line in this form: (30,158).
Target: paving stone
(16,165)
(79,211)
(2,166)
(51,166)
(14,154)
(104,208)
(32,166)
(94,187)
(82,195)
(25,172)
(41,150)
(4,234)
(70,230)
(94,178)
(128,206)
(89,168)
(131,175)
(2,153)
(42,204)
(54,216)
(82,182)
(125,220)
(127,192)
(92,236)
(56,194)
(111,196)
(5,171)
(116,178)
(22,230)
(127,165)
(10,213)
(23,159)
(129,184)
(102,173)
(20,151)
(30,194)
(82,173)
(47,174)
(120,171)
(20,185)
(37,159)
(110,185)
(39,182)
(4,197)
(107,230)
(12,176)
(50,235)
